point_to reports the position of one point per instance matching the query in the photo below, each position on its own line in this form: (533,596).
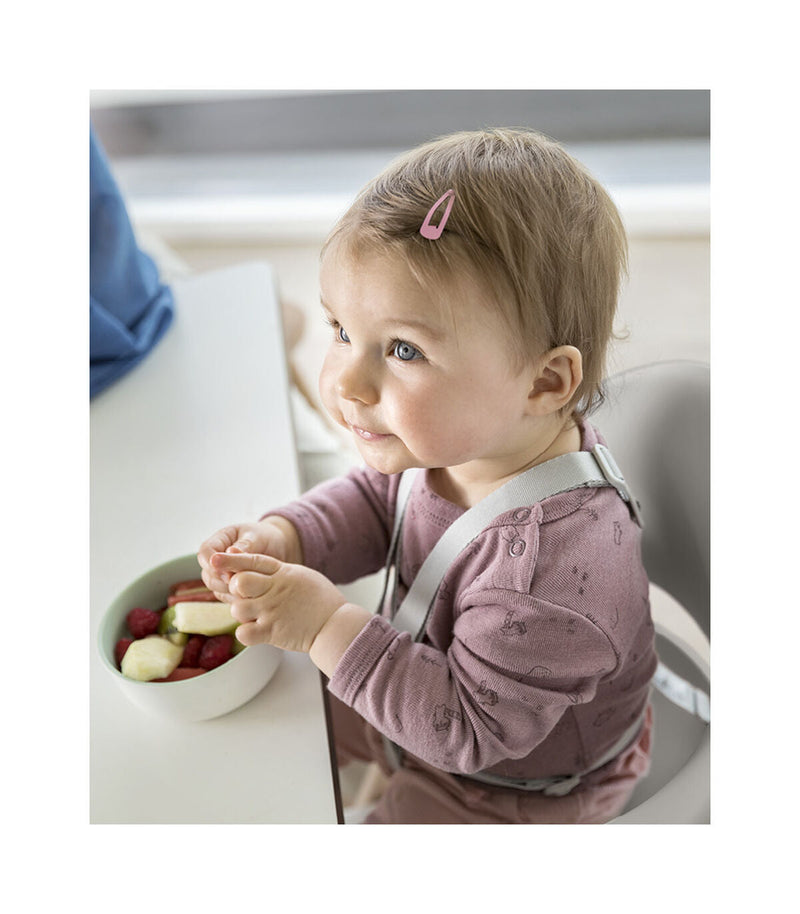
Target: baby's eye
(405,351)
(338,330)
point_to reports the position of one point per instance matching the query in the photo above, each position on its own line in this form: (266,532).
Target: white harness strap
(561,474)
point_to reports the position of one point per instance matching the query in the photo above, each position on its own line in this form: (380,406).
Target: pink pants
(420,794)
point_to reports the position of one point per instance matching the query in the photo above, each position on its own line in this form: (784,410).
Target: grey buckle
(562,786)
(614,476)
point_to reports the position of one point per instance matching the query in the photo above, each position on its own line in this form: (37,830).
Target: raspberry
(216,651)
(143,622)
(120,647)
(191,652)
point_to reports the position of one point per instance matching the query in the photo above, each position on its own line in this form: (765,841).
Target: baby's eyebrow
(418,326)
(396,326)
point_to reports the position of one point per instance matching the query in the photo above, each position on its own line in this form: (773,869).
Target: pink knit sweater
(539,651)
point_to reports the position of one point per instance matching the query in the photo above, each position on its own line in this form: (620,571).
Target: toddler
(470,291)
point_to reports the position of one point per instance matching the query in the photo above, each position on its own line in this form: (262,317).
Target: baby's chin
(387,461)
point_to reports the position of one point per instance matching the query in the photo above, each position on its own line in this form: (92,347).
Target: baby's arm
(344,525)
(495,693)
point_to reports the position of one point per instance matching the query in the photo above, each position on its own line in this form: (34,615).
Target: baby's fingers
(219,542)
(232,563)
(213,582)
(250,633)
(247,585)
(247,541)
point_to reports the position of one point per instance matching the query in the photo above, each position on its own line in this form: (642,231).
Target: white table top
(196,436)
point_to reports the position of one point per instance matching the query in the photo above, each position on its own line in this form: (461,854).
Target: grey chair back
(656,421)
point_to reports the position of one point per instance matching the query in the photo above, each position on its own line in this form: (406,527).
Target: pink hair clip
(434,231)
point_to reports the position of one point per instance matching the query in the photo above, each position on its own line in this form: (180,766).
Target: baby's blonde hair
(529,224)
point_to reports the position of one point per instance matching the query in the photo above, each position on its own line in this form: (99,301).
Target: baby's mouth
(367,435)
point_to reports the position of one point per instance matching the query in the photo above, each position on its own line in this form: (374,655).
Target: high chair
(656,422)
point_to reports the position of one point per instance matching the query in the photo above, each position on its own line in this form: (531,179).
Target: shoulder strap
(561,474)
(393,556)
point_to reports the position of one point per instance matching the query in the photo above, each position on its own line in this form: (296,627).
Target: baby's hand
(277,603)
(271,536)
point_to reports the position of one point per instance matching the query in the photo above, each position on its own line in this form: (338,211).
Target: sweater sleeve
(514,666)
(344,524)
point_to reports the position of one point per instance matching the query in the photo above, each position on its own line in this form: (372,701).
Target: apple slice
(204,618)
(194,591)
(201,594)
(153,657)
(167,627)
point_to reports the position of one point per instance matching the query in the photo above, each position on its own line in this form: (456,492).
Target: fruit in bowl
(170,646)
(189,636)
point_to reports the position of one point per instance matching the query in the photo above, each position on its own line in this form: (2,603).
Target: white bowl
(214,693)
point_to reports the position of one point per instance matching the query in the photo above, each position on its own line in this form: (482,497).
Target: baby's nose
(356,382)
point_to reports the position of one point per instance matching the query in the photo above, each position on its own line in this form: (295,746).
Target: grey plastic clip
(614,476)
(563,787)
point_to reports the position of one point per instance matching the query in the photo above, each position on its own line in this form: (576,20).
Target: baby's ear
(558,374)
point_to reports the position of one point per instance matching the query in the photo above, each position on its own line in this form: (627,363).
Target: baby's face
(418,384)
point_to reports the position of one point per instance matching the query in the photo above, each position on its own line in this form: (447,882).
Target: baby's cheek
(422,423)
(445,429)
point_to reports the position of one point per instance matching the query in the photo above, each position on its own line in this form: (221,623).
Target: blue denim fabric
(130,308)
